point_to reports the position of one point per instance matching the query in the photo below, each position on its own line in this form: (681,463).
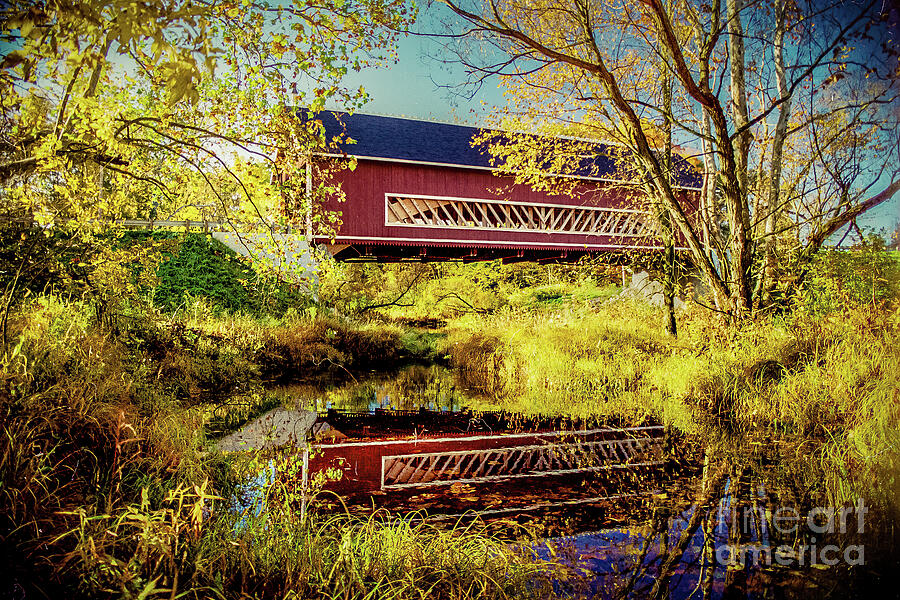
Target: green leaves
(203,267)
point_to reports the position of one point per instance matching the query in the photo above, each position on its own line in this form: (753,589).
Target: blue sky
(420,86)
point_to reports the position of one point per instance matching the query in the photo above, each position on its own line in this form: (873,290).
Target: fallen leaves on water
(461,488)
(419,498)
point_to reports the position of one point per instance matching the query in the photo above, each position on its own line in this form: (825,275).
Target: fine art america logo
(787,521)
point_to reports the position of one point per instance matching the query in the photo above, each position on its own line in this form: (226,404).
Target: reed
(343,556)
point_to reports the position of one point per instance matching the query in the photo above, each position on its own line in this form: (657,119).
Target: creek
(723,517)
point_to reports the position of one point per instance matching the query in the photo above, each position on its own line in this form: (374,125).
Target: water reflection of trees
(432,387)
(723,540)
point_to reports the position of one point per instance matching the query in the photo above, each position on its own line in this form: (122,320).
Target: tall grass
(572,361)
(188,545)
(378,557)
(829,382)
(83,428)
(108,486)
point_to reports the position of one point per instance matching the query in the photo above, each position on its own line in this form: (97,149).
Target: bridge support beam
(438,253)
(550,259)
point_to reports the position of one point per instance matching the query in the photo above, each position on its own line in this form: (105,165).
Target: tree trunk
(774,196)
(738,91)
(736,287)
(710,211)
(738,200)
(665,222)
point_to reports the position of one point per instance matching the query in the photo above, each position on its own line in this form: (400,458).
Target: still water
(724,550)
(726,518)
(414,387)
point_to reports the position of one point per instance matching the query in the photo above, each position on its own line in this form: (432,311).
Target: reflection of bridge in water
(470,465)
(402,462)
(564,472)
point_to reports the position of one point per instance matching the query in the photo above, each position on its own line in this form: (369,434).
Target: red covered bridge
(421,191)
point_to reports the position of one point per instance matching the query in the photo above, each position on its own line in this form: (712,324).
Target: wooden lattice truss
(465,466)
(431,211)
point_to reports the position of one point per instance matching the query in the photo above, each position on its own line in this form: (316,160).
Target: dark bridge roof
(406,139)
(397,138)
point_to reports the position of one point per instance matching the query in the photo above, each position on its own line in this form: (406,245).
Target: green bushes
(33,260)
(202,267)
(842,279)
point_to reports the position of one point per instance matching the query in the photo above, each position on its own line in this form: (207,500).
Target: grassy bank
(110,487)
(828,382)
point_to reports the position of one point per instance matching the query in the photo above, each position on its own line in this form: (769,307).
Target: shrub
(843,279)
(203,267)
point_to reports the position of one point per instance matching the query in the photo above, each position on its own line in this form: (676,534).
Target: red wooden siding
(364,220)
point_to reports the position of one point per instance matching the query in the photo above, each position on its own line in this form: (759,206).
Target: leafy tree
(114,109)
(793,105)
